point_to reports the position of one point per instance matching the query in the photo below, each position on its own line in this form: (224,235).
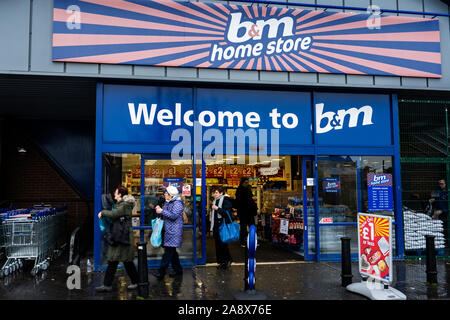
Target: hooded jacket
(124,208)
(172,214)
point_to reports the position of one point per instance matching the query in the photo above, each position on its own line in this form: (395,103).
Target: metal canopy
(26,97)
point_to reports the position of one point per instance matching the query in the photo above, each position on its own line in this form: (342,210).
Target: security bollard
(142,270)
(431,260)
(246,268)
(346,274)
(249,292)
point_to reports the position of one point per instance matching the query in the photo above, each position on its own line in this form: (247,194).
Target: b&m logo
(264,36)
(330,120)
(241,31)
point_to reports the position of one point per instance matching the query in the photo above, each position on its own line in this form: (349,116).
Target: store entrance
(146,176)
(284,195)
(159,172)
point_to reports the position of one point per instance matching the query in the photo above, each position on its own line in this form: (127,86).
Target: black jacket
(221,213)
(245,205)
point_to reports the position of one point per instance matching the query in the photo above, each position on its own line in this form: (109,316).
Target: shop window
(277,191)
(125,169)
(344,191)
(120,169)
(338,200)
(343,185)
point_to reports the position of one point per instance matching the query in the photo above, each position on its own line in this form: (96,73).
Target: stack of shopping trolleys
(36,233)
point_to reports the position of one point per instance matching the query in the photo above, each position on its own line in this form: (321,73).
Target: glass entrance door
(159,172)
(342,193)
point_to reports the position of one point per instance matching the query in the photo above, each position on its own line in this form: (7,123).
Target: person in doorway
(120,252)
(221,205)
(440,205)
(246,208)
(440,201)
(172,214)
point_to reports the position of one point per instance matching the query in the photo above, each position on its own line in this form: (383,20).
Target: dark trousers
(243,232)
(111,271)
(222,252)
(170,256)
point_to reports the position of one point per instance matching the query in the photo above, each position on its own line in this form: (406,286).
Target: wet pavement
(290,279)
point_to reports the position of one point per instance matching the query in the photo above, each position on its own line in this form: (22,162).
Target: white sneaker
(132,286)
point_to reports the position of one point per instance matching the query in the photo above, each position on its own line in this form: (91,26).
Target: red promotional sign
(234,171)
(136,171)
(184,171)
(247,171)
(375,247)
(155,172)
(215,171)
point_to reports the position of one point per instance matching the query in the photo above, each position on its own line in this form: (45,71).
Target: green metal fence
(425,159)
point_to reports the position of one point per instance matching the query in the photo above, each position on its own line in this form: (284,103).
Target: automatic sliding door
(343,192)
(159,174)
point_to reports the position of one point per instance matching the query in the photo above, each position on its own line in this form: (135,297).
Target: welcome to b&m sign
(215,35)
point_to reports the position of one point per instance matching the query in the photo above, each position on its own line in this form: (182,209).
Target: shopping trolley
(31,234)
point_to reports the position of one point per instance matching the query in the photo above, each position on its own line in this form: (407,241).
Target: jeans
(111,271)
(170,256)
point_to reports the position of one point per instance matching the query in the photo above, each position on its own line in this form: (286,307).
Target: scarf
(214,211)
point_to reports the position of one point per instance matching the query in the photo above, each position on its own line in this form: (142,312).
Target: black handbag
(119,232)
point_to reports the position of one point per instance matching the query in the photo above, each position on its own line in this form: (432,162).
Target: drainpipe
(447,162)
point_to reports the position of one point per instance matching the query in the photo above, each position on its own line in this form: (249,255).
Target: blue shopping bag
(229,232)
(105,224)
(156,237)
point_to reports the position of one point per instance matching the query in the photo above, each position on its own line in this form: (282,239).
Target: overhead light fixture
(21,150)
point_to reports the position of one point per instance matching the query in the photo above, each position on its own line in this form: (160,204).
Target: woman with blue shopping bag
(121,238)
(172,215)
(221,209)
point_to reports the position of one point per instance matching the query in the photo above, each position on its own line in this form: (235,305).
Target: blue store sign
(353,119)
(150,115)
(379,188)
(332,185)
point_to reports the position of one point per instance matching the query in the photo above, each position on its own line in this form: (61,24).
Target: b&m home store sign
(215,35)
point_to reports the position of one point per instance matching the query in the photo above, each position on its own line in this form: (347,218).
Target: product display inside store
(283,188)
(277,190)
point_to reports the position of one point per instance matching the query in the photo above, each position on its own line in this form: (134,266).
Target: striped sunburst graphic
(381,226)
(183,33)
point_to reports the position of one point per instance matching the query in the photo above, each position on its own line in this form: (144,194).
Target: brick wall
(31,179)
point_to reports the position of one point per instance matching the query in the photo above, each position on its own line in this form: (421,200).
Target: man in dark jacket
(246,208)
(440,207)
(441,201)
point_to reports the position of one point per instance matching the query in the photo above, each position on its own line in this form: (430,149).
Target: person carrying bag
(172,215)
(120,239)
(221,208)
